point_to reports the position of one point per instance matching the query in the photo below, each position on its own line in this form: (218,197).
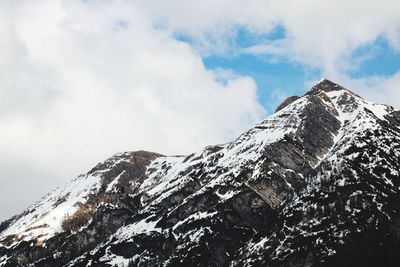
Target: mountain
(315,184)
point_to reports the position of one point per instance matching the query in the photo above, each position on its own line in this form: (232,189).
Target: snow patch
(43,220)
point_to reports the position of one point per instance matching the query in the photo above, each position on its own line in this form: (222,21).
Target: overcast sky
(82,80)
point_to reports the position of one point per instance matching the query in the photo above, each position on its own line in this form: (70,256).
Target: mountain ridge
(248,202)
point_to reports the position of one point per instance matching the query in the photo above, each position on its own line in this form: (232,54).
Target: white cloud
(319,33)
(80,81)
(274,48)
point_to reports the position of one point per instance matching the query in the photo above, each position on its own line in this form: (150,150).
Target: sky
(83,80)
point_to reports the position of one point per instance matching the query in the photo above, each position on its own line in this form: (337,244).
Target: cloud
(272,48)
(321,34)
(80,81)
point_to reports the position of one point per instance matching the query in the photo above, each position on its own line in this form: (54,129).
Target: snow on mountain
(318,176)
(43,219)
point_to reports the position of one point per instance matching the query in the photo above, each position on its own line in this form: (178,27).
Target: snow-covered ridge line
(44,219)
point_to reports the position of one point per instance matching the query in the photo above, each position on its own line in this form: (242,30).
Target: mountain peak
(326,86)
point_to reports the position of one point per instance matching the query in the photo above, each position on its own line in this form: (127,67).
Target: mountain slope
(317,183)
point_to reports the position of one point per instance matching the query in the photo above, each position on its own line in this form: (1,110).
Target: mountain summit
(326,86)
(315,184)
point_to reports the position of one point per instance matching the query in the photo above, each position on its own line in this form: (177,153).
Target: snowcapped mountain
(317,183)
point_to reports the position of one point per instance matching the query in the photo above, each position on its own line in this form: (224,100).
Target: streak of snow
(3,260)
(144,226)
(114,182)
(227,195)
(196,216)
(114,260)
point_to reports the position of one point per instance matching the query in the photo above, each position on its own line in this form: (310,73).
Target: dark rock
(287,102)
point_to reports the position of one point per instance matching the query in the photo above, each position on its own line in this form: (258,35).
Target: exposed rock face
(317,183)
(287,102)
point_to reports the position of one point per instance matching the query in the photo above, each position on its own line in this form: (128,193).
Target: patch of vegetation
(79,219)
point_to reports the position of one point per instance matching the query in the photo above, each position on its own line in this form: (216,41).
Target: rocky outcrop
(287,102)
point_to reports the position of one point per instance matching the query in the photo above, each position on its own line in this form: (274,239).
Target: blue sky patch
(278,77)
(377,59)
